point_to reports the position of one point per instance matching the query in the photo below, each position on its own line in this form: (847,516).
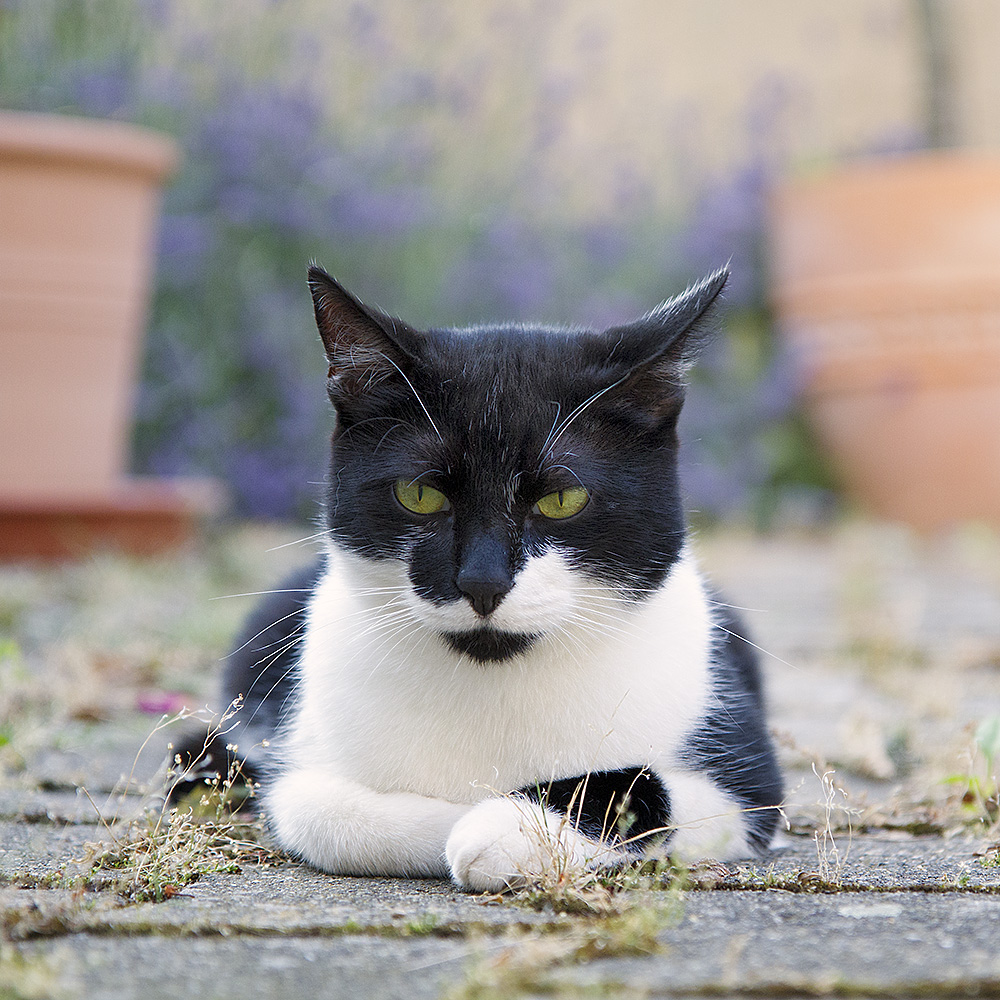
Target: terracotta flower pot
(78,206)
(887,283)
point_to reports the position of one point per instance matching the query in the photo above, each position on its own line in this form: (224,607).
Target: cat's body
(506,655)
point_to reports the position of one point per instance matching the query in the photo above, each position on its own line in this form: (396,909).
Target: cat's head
(513,475)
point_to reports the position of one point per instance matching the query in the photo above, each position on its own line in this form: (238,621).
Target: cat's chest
(408,714)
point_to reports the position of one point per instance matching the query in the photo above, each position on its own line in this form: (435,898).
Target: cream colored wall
(593,108)
(574,107)
(975,26)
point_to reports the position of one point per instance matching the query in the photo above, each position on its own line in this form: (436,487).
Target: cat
(506,657)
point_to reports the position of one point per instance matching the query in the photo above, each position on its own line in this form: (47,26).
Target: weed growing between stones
(154,856)
(830,861)
(606,882)
(524,964)
(980,784)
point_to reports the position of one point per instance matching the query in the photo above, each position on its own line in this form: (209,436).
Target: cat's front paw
(506,843)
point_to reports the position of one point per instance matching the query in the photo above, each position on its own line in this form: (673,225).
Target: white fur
(502,842)
(705,822)
(344,827)
(396,735)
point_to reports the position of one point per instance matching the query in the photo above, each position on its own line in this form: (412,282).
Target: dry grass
(151,858)
(830,858)
(523,964)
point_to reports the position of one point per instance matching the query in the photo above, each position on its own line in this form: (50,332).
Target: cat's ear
(363,345)
(658,350)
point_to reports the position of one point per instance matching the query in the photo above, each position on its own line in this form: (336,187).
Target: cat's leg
(508,841)
(705,821)
(592,821)
(348,829)
(597,820)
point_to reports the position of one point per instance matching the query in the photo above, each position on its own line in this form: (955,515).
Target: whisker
(586,404)
(299,541)
(263,593)
(416,395)
(760,649)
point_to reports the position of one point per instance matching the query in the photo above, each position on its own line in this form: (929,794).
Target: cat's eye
(563,503)
(420,498)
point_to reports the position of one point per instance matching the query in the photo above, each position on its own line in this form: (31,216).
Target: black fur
(261,672)
(489,645)
(497,417)
(732,743)
(627,806)
(596,406)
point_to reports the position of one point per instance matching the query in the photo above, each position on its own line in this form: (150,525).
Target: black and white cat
(506,652)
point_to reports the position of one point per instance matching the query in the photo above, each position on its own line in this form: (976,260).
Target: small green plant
(981,784)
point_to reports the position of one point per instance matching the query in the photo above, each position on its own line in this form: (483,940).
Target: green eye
(419,498)
(563,503)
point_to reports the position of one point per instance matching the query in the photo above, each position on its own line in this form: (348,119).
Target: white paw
(506,843)
(707,823)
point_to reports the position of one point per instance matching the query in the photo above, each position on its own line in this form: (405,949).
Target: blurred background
(452,162)
(455,161)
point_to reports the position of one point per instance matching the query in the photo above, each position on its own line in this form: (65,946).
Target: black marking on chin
(488,645)
(627,806)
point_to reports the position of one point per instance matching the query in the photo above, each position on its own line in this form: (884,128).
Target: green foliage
(981,784)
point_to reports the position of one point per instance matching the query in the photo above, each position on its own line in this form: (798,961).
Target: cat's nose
(484,595)
(484,576)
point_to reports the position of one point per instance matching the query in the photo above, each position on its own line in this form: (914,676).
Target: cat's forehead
(497,361)
(500,394)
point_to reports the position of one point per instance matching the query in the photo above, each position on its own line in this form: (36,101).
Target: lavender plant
(232,381)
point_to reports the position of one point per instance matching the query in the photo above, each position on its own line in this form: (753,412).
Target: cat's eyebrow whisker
(552,468)
(564,426)
(552,429)
(395,427)
(372,420)
(416,396)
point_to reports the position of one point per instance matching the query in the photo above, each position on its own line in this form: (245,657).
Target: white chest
(385,702)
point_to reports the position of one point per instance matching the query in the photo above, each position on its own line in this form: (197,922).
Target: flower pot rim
(92,142)
(888,165)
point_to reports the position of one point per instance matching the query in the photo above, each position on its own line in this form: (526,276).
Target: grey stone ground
(883,651)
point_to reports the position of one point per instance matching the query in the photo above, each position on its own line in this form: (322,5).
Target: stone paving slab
(61,808)
(914,915)
(276,968)
(721,943)
(905,944)
(851,862)
(41,849)
(871,636)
